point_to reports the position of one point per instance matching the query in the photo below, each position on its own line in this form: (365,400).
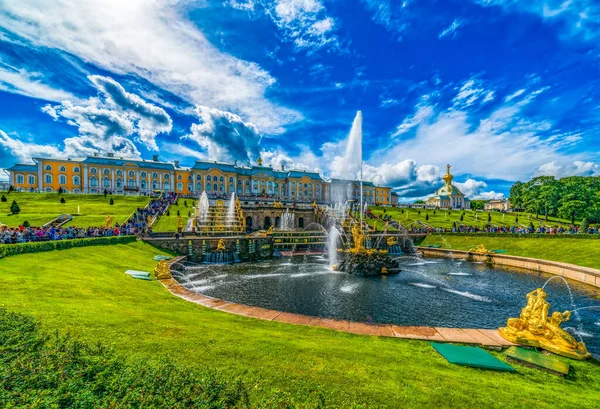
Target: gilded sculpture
(221,245)
(109,221)
(536,328)
(162,270)
(179,223)
(391,242)
(480,250)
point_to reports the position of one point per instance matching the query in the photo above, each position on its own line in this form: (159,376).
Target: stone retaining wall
(585,275)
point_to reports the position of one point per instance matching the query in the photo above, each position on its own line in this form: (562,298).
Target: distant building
(95,174)
(449,196)
(499,205)
(343,190)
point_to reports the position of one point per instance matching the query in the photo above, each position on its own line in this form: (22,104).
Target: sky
(503,90)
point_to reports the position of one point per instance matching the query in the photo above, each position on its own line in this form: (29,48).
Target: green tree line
(574,197)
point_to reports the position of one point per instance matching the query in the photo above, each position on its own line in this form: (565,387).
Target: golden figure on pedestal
(358,237)
(221,245)
(179,223)
(535,328)
(480,250)
(391,242)
(162,270)
(109,221)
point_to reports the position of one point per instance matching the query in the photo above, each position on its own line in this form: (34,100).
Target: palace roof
(99,160)
(20,167)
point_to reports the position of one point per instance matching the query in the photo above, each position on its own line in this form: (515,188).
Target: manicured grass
(40,208)
(169,223)
(86,293)
(583,252)
(446,218)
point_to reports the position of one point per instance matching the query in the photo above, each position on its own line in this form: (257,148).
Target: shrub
(41,370)
(489,217)
(62,200)
(26,223)
(524,235)
(14,207)
(462,217)
(3,199)
(178,213)
(7,250)
(585,225)
(112,202)
(427,216)
(185,203)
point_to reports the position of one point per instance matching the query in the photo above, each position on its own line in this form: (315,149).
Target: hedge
(7,250)
(522,236)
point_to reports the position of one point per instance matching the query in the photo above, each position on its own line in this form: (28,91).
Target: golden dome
(448,177)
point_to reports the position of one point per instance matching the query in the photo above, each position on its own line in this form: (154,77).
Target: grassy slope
(91,297)
(441,219)
(583,252)
(169,223)
(40,208)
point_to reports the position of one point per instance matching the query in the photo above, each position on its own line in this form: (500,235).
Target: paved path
(484,337)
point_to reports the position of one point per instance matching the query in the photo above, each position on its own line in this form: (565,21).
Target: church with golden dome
(449,196)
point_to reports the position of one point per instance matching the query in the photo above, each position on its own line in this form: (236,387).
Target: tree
(178,213)
(585,225)
(185,203)
(14,207)
(11,188)
(516,195)
(60,191)
(517,220)
(3,199)
(62,200)
(531,226)
(477,204)
(189,213)
(112,202)
(489,217)
(462,217)
(427,216)
(26,223)
(105,193)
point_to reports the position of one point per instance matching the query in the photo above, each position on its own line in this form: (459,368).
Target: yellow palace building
(95,174)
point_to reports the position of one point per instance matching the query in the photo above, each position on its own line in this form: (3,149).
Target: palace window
(166,176)
(198,177)
(190,178)
(215,178)
(47,178)
(31,179)
(107,171)
(131,183)
(180,186)
(143,174)
(20,179)
(93,171)
(131,173)
(94,181)
(199,186)
(208,187)
(215,187)
(48,167)
(190,187)
(155,176)
(76,169)
(62,179)
(106,182)
(143,184)
(230,180)
(154,185)
(167,186)
(119,183)
(119,173)
(207,177)
(62,169)
(222,187)
(179,177)
(231,187)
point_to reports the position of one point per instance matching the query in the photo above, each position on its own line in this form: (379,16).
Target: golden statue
(358,237)
(109,221)
(194,224)
(179,223)
(259,161)
(221,245)
(162,270)
(149,221)
(391,242)
(535,328)
(479,250)
(313,204)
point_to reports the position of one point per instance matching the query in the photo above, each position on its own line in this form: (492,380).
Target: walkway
(484,337)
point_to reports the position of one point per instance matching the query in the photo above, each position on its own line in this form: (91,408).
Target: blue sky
(504,90)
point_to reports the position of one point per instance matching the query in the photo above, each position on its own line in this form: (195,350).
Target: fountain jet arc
(230,217)
(203,206)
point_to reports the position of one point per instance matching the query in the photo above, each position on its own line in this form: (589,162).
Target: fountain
(230,217)
(203,208)
(332,245)
(287,220)
(221,255)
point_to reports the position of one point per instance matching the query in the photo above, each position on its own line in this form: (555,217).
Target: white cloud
(514,95)
(23,152)
(155,41)
(30,84)
(579,18)
(451,29)
(488,196)
(247,5)
(106,123)
(225,136)
(504,143)
(470,92)
(576,168)
(304,22)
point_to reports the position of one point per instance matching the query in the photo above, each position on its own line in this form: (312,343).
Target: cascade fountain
(332,246)
(230,217)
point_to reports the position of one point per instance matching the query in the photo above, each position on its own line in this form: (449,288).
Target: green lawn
(40,208)
(583,252)
(85,292)
(169,223)
(446,218)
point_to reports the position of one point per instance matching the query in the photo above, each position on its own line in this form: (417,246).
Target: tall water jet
(332,242)
(203,206)
(230,217)
(287,221)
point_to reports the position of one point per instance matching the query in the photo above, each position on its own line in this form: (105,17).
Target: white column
(39,176)
(112,184)
(85,178)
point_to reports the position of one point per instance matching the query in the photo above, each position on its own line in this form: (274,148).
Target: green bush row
(527,236)
(7,250)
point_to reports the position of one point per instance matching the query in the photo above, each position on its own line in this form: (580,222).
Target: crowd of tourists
(422,229)
(137,224)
